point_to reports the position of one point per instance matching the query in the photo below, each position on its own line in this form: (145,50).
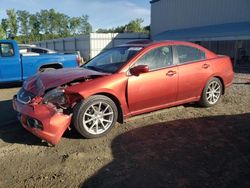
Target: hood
(41,82)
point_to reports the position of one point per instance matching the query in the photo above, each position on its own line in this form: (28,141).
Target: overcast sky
(102,13)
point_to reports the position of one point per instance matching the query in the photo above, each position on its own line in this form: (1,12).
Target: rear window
(37,50)
(6,49)
(189,54)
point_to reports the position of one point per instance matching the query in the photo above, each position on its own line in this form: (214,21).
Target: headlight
(55,96)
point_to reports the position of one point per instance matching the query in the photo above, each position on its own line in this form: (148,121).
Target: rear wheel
(95,116)
(211,93)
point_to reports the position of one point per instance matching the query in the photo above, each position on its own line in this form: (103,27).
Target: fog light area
(33,123)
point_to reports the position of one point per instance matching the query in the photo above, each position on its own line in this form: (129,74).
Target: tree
(85,27)
(62,25)
(34,24)
(53,21)
(74,24)
(147,28)
(4,26)
(54,24)
(2,33)
(43,19)
(43,25)
(79,25)
(23,19)
(12,21)
(135,26)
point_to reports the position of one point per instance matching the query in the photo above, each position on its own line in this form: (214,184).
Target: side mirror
(137,70)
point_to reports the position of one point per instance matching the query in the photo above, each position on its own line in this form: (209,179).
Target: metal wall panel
(91,45)
(100,42)
(179,14)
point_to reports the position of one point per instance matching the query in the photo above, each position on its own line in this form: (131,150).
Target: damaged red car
(124,81)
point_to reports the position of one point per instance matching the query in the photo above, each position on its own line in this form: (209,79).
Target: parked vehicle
(33,49)
(17,67)
(124,81)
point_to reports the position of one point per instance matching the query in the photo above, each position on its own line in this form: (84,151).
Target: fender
(94,87)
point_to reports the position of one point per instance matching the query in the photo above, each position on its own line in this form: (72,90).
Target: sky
(102,13)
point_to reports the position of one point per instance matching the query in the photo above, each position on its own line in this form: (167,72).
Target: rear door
(194,70)
(10,65)
(156,87)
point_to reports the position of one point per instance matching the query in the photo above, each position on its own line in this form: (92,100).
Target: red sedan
(121,82)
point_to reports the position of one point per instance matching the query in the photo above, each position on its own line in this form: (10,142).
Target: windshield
(112,60)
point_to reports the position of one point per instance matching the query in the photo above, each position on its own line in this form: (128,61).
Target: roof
(137,43)
(147,43)
(228,31)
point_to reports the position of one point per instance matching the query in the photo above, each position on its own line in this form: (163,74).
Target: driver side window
(157,58)
(6,50)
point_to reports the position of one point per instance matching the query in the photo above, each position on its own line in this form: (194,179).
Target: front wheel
(211,93)
(95,116)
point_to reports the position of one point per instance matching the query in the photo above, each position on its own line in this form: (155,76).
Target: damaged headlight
(56,97)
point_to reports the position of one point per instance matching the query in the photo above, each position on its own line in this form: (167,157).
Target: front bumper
(52,123)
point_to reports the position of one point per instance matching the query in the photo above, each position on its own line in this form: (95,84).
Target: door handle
(171,73)
(205,66)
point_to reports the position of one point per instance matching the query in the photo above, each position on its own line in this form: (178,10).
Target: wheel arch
(203,101)
(222,83)
(117,103)
(85,93)
(54,65)
(221,80)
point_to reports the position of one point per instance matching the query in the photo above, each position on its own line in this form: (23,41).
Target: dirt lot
(183,146)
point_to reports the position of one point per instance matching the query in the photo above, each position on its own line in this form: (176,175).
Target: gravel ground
(184,146)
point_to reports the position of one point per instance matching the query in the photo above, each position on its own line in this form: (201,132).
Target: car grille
(24,96)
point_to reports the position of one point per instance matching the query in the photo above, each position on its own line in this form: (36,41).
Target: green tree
(2,33)
(147,28)
(43,25)
(34,26)
(12,21)
(4,26)
(62,25)
(74,24)
(54,24)
(85,27)
(53,21)
(119,29)
(23,19)
(135,25)
(43,19)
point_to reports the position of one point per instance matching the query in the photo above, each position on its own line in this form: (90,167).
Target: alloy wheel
(98,118)
(213,92)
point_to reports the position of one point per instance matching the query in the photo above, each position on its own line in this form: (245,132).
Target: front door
(157,87)
(10,66)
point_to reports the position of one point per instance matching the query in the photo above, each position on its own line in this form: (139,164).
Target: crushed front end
(43,107)
(44,116)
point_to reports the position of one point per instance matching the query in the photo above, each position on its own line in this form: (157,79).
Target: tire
(95,116)
(212,92)
(47,69)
